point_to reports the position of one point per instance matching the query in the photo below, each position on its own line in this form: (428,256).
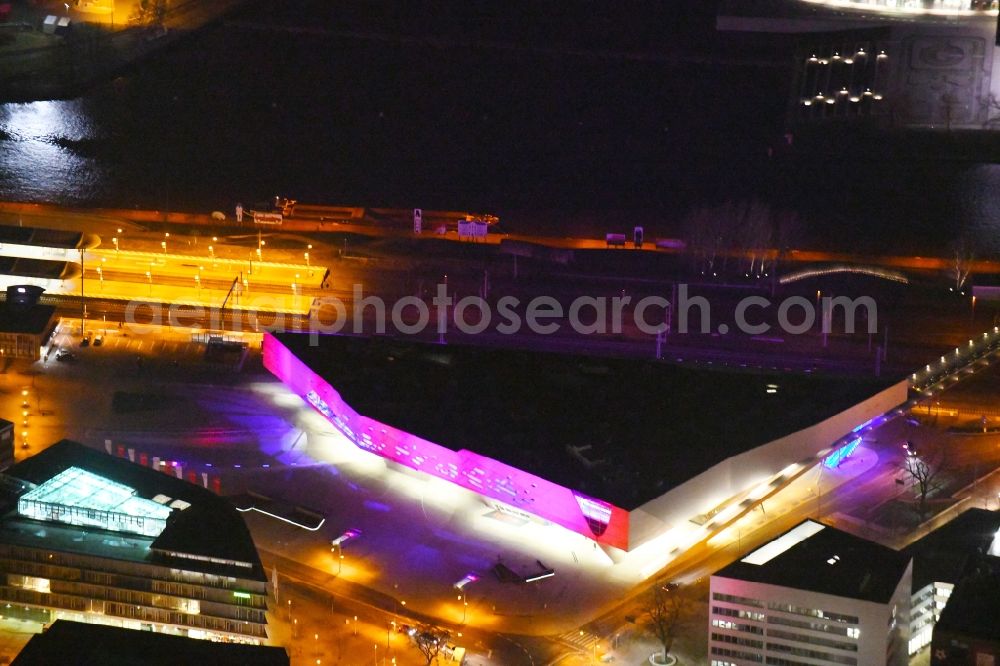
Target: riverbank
(535,245)
(35,65)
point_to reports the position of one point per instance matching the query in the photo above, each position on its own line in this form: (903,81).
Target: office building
(88,537)
(941,560)
(814,595)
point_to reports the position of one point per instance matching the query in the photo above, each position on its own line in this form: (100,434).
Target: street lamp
(163,244)
(100,275)
(149,277)
(115,241)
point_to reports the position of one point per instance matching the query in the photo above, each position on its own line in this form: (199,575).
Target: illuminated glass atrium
(78,497)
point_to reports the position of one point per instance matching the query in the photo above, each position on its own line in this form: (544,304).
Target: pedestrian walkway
(581,640)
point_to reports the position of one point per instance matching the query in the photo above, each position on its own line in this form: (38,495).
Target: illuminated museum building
(88,537)
(619,451)
(814,595)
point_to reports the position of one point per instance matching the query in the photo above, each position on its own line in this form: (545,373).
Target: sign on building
(267,218)
(472,229)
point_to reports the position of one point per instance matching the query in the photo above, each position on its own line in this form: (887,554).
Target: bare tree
(756,233)
(668,609)
(925,468)
(704,237)
(149,12)
(964,254)
(430,641)
(747,230)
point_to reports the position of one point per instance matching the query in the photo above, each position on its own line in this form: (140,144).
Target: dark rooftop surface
(210,527)
(622,430)
(945,554)
(67,240)
(25,320)
(862,569)
(973,609)
(83,644)
(38,268)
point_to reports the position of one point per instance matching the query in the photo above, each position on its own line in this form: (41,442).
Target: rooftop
(38,268)
(817,558)
(38,237)
(76,488)
(33,320)
(622,430)
(973,609)
(98,644)
(945,554)
(199,523)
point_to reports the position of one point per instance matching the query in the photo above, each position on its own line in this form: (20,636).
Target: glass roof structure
(78,497)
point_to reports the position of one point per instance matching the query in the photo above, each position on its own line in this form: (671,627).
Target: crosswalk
(581,640)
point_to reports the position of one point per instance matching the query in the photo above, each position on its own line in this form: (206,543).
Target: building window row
(81,596)
(737,640)
(170,617)
(812,626)
(736,654)
(781,661)
(140,569)
(18,595)
(812,654)
(130,588)
(734,626)
(736,612)
(812,612)
(743,601)
(813,640)
(42,570)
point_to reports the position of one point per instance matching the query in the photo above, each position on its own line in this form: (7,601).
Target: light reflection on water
(43,149)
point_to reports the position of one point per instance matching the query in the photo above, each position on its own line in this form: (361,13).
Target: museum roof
(622,430)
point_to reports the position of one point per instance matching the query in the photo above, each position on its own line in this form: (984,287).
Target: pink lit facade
(510,489)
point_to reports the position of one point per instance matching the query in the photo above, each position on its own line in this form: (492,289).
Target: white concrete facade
(741,473)
(756,623)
